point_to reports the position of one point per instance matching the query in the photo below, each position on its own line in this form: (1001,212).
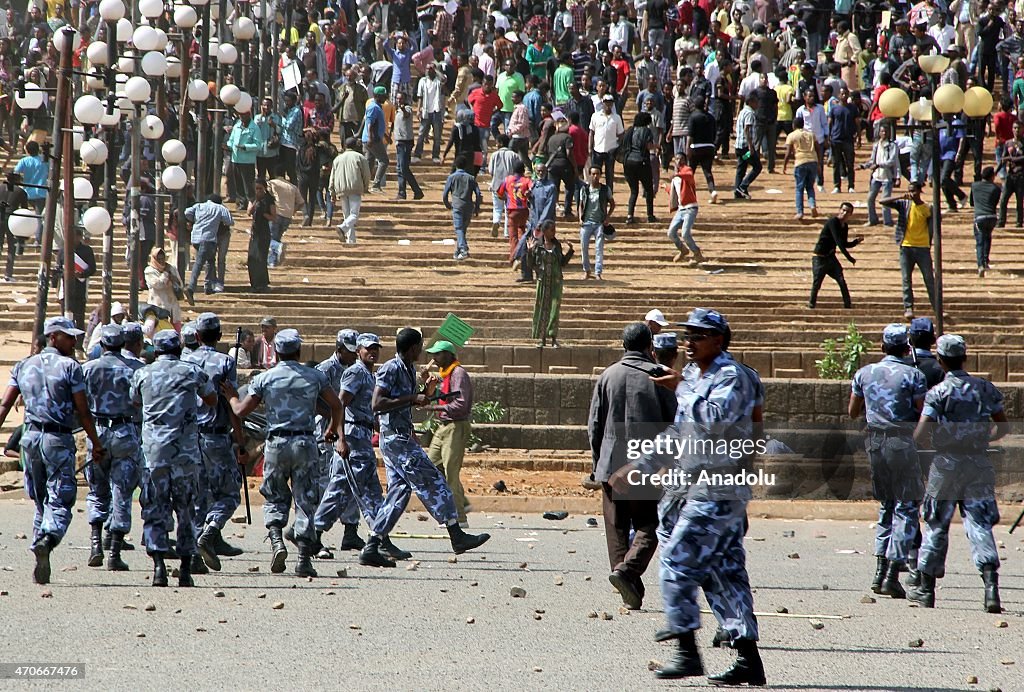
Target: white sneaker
(822,189)
(851,190)
(415,159)
(835,190)
(714,197)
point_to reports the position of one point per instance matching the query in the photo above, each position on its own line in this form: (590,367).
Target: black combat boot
(280,552)
(747,670)
(393,550)
(304,566)
(108,541)
(222,547)
(196,564)
(462,541)
(991,578)
(923,595)
(188,563)
(913,574)
(891,582)
(96,545)
(685,661)
(208,548)
(159,570)
(321,551)
(721,639)
(371,555)
(114,562)
(351,539)
(881,565)
(42,550)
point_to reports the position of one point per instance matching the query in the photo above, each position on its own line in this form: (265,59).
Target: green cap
(442,346)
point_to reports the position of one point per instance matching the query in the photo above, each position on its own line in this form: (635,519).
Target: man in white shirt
(686,47)
(943,34)
(606,130)
(430,93)
(746,155)
(816,121)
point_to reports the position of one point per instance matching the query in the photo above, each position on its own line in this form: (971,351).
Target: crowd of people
(551,101)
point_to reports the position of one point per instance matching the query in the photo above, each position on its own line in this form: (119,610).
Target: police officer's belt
(214,430)
(50,428)
(892,432)
(111,421)
(360,423)
(289,433)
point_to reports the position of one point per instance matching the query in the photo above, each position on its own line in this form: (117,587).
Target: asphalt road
(408,629)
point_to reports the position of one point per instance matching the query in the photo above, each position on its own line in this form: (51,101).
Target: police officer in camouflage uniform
(409,469)
(701,524)
(290,391)
(957,417)
(189,338)
(922,338)
(53,389)
(112,482)
(169,391)
(355,478)
(332,491)
(220,435)
(890,394)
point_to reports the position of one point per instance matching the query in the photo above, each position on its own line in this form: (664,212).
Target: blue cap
(61,325)
(287,341)
(367,340)
(188,334)
(167,340)
(207,322)
(702,318)
(895,334)
(347,339)
(951,346)
(132,332)
(922,324)
(111,335)
(665,340)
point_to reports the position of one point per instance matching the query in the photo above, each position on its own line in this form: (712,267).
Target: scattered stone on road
(517,592)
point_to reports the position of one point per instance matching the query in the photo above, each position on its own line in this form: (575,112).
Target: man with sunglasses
(702,524)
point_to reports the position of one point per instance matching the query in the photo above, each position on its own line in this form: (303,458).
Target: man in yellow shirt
(914,236)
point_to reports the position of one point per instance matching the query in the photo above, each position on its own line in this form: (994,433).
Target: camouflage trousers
(220,482)
(347,493)
(169,494)
(409,470)
(49,481)
(291,472)
(896,484)
(702,547)
(969,486)
(113,482)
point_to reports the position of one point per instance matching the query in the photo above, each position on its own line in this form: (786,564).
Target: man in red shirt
(580,154)
(621,66)
(484,101)
(515,191)
(1002,123)
(683,202)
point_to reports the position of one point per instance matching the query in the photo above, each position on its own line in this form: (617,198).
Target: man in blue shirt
(401,58)
(953,146)
(460,191)
(374,137)
(842,126)
(291,137)
(34,170)
(206,219)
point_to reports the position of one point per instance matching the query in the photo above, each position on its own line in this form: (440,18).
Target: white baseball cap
(656,316)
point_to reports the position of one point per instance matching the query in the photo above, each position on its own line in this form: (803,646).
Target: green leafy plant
(842,355)
(482,412)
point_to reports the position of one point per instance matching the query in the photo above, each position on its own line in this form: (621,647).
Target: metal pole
(202,155)
(161,109)
(50,214)
(937,221)
(262,25)
(133,228)
(111,175)
(218,119)
(186,64)
(68,203)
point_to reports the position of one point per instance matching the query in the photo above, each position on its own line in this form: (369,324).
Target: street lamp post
(948,99)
